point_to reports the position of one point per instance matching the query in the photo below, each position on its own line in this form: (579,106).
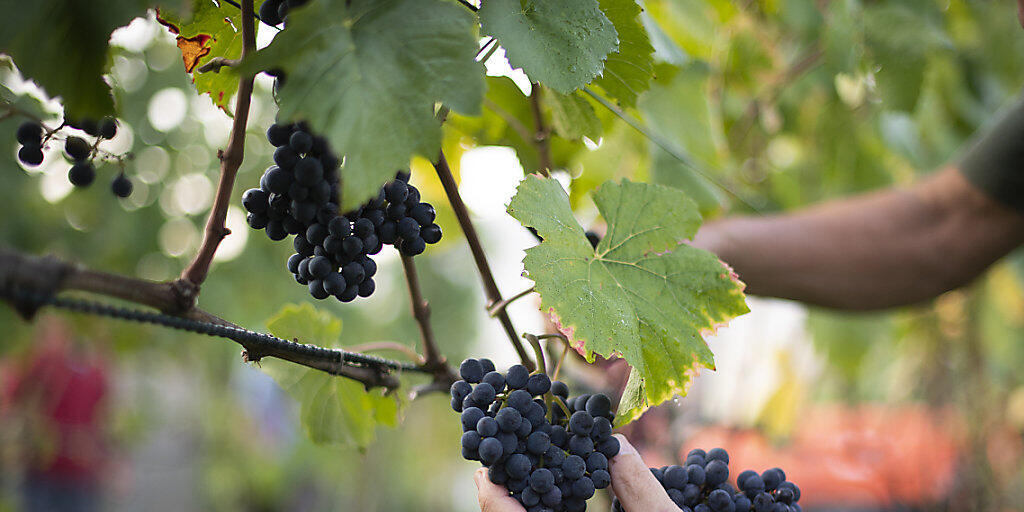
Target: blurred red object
(60,394)
(863,456)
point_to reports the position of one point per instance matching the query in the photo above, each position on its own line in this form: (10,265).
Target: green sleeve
(994,161)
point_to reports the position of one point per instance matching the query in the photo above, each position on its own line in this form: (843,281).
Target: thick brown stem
(540,135)
(230,160)
(47,276)
(451,189)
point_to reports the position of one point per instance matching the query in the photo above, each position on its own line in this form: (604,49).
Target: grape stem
(541,133)
(561,359)
(494,308)
(565,410)
(539,353)
(535,343)
(476,248)
(433,360)
(230,160)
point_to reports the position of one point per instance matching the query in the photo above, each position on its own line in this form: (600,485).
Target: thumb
(635,486)
(493,497)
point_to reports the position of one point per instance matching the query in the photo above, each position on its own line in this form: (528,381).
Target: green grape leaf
(572,115)
(628,71)
(367,77)
(560,43)
(333,409)
(641,294)
(62,46)
(212,31)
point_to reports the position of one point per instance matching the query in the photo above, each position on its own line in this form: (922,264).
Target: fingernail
(624,446)
(477,475)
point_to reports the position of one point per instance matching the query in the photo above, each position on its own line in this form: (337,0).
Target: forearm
(889,248)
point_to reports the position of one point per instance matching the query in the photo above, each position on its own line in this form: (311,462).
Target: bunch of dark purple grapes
(550,451)
(298,196)
(701,485)
(81,153)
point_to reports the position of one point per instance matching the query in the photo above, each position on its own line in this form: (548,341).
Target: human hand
(634,484)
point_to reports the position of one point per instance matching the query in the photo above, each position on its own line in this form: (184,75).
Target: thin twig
(216,63)
(512,121)
(808,61)
(489,53)
(469,5)
(489,42)
(433,360)
(476,248)
(230,160)
(668,148)
(375,346)
(541,136)
(493,309)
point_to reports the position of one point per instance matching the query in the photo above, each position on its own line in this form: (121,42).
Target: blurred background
(788,102)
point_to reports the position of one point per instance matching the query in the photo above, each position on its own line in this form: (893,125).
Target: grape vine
(360,88)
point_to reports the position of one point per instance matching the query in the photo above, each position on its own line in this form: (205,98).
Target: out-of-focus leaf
(368,76)
(900,40)
(678,109)
(62,46)
(641,293)
(560,43)
(572,115)
(846,339)
(212,31)
(333,409)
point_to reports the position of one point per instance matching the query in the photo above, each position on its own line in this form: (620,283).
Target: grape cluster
(273,12)
(81,153)
(297,196)
(548,460)
(701,485)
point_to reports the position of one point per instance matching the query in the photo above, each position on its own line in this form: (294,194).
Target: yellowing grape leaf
(333,409)
(213,31)
(641,294)
(366,74)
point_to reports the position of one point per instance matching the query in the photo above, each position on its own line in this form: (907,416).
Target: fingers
(634,485)
(493,497)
